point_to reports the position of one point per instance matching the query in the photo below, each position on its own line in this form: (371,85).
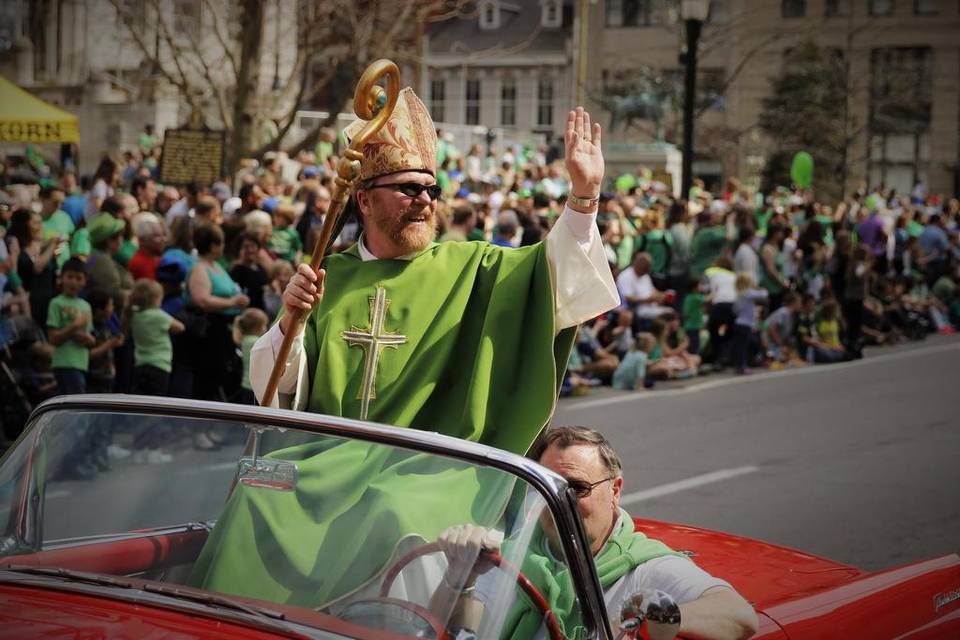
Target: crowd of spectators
(114,282)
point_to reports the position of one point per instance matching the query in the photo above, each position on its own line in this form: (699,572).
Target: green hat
(103,227)
(80,243)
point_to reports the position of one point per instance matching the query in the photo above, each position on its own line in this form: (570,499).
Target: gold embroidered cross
(373,340)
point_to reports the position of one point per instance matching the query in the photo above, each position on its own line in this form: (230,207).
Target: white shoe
(155,456)
(116,452)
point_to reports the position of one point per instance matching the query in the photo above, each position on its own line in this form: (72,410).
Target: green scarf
(624,551)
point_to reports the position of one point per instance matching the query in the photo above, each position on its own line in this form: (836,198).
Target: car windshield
(340,532)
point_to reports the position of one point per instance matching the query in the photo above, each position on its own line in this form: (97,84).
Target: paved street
(857,462)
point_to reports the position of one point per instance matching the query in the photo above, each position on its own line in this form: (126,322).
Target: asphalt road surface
(858,462)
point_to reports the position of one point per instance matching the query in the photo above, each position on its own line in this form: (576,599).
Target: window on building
(438,100)
(901,98)
(508,102)
(551,16)
(881,7)
(545,102)
(793,8)
(834,8)
(631,13)
(926,7)
(187,16)
(490,14)
(472,102)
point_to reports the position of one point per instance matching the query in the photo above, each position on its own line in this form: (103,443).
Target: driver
(626,561)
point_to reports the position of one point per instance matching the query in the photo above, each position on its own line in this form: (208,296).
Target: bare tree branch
(739,68)
(144,48)
(218,34)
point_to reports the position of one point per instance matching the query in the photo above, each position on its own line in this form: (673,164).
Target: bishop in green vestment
(466,339)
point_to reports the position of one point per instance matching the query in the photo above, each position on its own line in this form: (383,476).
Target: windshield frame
(561,502)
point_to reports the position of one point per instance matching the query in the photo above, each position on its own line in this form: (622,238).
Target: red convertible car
(114,525)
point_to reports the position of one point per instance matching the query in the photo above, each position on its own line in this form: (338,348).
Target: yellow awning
(26,118)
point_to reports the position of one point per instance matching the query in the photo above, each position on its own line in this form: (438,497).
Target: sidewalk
(599,393)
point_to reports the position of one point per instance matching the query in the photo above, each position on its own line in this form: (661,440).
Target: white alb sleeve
(291,392)
(583,283)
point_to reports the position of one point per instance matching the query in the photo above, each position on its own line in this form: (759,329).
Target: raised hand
(584,158)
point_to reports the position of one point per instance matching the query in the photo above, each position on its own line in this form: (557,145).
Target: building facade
(903,93)
(83,56)
(505,66)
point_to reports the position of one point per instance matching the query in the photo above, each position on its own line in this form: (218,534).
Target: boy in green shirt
(693,316)
(69,327)
(285,241)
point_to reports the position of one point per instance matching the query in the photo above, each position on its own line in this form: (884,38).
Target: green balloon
(873,202)
(625,182)
(801,171)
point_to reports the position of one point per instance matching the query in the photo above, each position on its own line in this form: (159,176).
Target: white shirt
(634,286)
(722,285)
(583,286)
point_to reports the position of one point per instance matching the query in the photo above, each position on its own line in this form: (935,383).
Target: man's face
(397,223)
(599,510)
(322,202)
(640,265)
(149,194)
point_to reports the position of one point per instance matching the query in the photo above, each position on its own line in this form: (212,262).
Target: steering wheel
(553,626)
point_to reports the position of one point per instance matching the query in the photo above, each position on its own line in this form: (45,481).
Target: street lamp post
(693,13)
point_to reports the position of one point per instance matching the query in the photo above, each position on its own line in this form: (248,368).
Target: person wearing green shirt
(147,140)
(150,327)
(626,560)
(285,241)
(709,241)
(56,222)
(405,331)
(69,329)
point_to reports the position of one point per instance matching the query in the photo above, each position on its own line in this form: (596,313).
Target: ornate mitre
(407,142)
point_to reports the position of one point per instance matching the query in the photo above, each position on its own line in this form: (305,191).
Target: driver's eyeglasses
(411,189)
(584,489)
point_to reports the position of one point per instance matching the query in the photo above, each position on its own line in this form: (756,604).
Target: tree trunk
(242,135)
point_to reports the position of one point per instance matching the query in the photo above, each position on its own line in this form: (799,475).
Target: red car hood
(763,573)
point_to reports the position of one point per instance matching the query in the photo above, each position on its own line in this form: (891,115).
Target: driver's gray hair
(564,437)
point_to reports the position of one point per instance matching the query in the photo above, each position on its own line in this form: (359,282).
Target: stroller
(22,385)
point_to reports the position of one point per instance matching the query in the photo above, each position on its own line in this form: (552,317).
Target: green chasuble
(459,340)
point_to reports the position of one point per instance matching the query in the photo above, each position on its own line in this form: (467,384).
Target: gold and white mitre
(407,142)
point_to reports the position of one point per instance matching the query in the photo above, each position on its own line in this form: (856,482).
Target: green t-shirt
(127,249)
(151,339)
(658,244)
(943,289)
(246,345)
(61,314)
(693,311)
(285,243)
(59,223)
(707,245)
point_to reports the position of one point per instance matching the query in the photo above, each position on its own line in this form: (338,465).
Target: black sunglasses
(411,189)
(584,489)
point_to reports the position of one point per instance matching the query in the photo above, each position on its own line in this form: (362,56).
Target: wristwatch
(584,203)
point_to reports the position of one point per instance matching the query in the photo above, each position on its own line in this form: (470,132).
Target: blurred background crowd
(113,282)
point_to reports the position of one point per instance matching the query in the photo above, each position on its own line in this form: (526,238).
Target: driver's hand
(462,545)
